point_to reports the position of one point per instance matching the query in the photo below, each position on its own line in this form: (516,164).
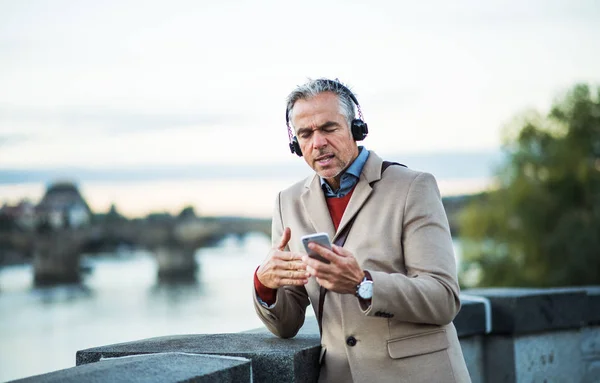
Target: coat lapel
(371,172)
(315,206)
(313,201)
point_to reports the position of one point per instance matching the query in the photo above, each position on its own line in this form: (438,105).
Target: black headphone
(358,127)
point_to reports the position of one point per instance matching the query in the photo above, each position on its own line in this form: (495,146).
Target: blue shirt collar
(349,177)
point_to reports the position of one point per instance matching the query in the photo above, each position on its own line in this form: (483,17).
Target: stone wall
(507,335)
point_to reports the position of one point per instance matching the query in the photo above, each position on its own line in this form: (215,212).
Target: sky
(119,85)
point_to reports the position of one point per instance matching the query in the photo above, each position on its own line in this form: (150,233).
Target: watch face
(365,290)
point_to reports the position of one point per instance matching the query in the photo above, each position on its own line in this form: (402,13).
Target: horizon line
(444,165)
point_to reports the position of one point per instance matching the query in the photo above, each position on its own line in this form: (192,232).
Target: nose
(319,140)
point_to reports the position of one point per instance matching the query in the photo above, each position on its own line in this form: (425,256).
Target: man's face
(324,136)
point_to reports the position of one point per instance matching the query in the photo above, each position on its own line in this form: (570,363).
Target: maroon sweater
(336,207)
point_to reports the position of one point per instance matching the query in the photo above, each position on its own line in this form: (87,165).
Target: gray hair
(314,87)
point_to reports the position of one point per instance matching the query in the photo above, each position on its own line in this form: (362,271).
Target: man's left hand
(341,275)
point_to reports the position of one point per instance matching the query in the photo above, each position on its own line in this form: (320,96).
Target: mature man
(386,299)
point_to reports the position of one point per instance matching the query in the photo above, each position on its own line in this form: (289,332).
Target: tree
(541,226)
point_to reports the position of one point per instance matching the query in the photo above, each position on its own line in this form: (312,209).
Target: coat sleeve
(286,316)
(429,292)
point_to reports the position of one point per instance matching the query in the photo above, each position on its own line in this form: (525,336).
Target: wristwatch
(364,290)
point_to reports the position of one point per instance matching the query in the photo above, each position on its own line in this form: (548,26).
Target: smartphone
(319,238)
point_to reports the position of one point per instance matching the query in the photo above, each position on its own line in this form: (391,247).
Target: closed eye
(328,127)
(305,133)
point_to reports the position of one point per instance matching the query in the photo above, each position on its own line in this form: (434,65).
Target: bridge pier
(56,257)
(175,263)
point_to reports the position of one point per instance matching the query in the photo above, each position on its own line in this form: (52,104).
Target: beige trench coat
(402,237)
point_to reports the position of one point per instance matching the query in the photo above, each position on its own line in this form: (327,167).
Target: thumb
(287,235)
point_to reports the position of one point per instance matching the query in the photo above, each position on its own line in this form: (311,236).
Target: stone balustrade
(507,335)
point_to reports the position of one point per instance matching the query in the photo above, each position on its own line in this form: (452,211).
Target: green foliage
(541,226)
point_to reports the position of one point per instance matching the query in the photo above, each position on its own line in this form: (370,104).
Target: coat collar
(315,206)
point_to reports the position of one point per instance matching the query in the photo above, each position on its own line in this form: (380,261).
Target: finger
(317,268)
(285,238)
(340,251)
(292,256)
(293,282)
(313,263)
(322,251)
(291,265)
(288,256)
(291,274)
(296,265)
(323,282)
(292,277)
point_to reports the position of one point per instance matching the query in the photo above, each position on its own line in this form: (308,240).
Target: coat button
(351,341)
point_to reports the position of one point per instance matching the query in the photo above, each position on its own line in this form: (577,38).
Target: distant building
(21,215)
(63,207)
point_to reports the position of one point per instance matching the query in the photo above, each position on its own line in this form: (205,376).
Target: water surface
(120,300)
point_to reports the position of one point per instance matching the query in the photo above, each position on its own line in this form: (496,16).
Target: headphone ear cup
(359,129)
(295,147)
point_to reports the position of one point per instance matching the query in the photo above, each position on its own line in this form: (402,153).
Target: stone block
(590,342)
(590,350)
(593,306)
(473,317)
(472,349)
(163,368)
(499,360)
(542,357)
(592,373)
(551,357)
(522,311)
(273,359)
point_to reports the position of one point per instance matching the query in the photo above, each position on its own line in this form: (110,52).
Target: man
(398,253)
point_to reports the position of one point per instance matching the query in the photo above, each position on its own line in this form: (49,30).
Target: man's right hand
(283,268)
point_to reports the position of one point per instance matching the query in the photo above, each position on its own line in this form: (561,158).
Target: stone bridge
(56,254)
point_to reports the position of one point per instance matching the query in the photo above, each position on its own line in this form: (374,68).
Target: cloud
(111,120)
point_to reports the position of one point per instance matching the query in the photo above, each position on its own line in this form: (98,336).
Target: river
(120,300)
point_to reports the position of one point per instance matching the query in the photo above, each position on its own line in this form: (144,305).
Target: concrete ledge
(507,335)
(473,317)
(593,305)
(273,359)
(168,367)
(522,311)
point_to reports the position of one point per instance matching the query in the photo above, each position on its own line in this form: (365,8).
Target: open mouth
(324,159)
